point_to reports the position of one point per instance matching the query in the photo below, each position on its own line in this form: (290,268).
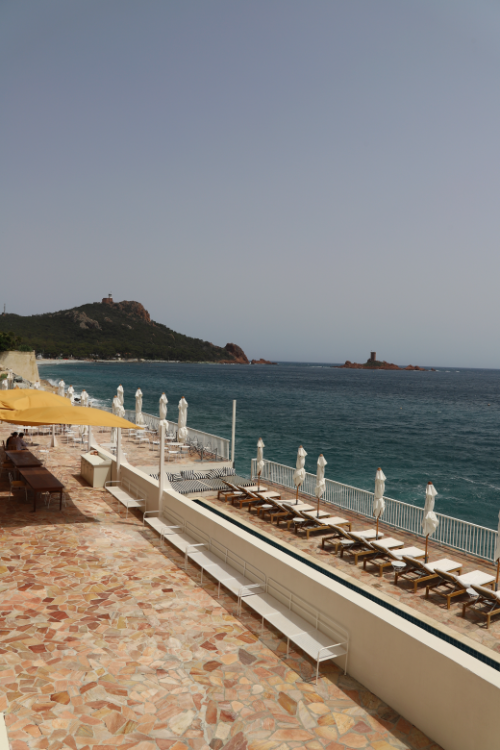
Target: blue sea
(418,426)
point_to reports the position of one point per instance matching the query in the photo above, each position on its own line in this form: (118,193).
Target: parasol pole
(376,533)
(426,545)
(498,574)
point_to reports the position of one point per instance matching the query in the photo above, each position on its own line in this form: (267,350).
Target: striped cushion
(174,477)
(212,474)
(228,472)
(199,474)
(188,475)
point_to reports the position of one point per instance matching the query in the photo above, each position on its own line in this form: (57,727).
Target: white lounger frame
(126,493)
(306,627)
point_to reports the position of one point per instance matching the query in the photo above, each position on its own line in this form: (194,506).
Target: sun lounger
(486,604)
(308,522)
(274,510)
(417,571)
(297,506)
(340,536)
(249,498)
(293,513)
(386,557)
(449,585)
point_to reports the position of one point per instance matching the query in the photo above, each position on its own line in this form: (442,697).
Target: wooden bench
(126,493)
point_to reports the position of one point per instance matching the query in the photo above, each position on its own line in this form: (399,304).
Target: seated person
(18,443)
(21,442)
(9,446)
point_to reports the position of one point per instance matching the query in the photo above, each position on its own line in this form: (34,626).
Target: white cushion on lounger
(314,513)
(445,565)
(369,534)
(410,552)
(476,577)
(334,521)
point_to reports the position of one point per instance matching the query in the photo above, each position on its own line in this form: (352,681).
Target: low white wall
(21,363)
(452,697)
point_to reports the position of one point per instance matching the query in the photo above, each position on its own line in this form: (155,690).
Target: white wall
(21,363)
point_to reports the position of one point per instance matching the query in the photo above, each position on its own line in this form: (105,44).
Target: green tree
(9,341)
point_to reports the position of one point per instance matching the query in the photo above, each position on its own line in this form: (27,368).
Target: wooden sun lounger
(386,557)
(340,536)
(309,523)
(453,585)
(487,604)
(417,571)
(363,548)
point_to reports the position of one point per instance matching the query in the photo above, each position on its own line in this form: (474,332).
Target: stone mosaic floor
(105,641)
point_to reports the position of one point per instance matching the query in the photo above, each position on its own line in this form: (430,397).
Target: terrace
(106,641)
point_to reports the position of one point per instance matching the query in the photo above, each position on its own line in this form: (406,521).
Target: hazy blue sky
(310,180)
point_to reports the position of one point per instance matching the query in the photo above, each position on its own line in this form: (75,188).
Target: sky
(309,180)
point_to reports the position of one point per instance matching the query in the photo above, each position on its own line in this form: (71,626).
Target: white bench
(278,610)
(320,646)
(126,494)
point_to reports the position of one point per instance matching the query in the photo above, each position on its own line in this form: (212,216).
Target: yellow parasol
(65,415)
(29,398)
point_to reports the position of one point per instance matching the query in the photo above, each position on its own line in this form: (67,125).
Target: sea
(441,426)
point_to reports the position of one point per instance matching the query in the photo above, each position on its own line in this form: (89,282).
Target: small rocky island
(374,364)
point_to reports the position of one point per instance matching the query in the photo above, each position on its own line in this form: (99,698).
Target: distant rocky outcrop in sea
(374,364)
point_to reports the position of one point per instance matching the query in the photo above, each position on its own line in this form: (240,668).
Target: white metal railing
(219,446)
(453,532)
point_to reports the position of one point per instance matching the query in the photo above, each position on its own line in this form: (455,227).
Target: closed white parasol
(378,498)
(260,459)
(71,393)
(430,522)
(60,388)
(5,384)
(116,408)
(320,479)
(120,394)
(84,398)
(300,473)
(496,554)
(163,409)
(182,432)
(139,419)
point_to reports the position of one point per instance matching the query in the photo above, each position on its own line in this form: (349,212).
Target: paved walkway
(105,641)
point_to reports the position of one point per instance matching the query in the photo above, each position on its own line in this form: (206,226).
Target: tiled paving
(105,641)
(435,607)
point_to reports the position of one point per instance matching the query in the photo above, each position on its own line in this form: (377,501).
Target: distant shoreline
(132,361)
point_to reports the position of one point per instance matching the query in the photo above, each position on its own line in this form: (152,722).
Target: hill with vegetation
(111,330)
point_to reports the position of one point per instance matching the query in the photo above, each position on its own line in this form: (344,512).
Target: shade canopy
(300,473)
(431,521)
(378,498)
(29,398)
(65,415)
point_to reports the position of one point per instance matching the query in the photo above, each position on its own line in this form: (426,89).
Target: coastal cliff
(113,330)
